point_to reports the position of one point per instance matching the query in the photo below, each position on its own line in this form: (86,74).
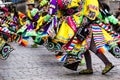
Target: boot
(86,71)
(34,46)
(107,68)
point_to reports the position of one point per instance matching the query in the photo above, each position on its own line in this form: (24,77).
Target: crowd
(70,28)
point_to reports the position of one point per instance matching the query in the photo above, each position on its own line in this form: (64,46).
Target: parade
(69,28)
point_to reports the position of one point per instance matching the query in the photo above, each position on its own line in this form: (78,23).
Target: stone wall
(21,7)
(114,5)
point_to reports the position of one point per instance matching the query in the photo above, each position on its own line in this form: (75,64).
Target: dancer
(100,54)
(91,14)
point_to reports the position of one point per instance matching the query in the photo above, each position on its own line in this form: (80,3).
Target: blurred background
(114,4)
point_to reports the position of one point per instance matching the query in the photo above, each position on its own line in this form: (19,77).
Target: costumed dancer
(110,28)
(100,48)
(33,16)
(28,30)
(90,11)
(5,48)
(62,27)
(32,24)
(10,22)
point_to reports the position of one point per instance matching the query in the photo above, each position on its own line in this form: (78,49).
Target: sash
(71,23)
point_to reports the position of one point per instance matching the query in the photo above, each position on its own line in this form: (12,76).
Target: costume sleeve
(113,20)
(34,12)
(52,10)
(53,7)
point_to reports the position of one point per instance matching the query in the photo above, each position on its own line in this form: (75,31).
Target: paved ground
(39,64)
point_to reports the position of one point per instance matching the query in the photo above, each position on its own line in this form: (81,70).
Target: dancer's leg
(88,60)
(89,69)
(108,64)
(100,55)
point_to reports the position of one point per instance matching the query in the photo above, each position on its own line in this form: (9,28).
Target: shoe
(34,46)
(107,68)
(86,71)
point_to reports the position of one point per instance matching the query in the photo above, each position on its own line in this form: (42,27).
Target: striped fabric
(6,31)
(62,58)
(72,44)
(98,36)
(115,35)
(107,28)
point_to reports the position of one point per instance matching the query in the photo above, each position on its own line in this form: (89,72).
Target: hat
(21,15)
(30,2)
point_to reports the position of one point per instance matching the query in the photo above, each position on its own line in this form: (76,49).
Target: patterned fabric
(109,34)
(71,44)
(62,58)
(91,9)
(33,14)
(98,36)
(71,23)
(53,7)
(109,29)
(51,30)
(5,49)
(65,33)
(43,2)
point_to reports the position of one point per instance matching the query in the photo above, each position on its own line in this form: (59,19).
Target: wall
(114,5)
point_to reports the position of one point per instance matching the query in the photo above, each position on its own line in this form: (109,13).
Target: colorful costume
(69,27)
(73,19)
(8,28)
(5,33)
(34,20)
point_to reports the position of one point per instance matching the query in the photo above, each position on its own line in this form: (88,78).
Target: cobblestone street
(39,64)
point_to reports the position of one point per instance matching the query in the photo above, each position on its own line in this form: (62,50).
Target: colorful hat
(43,2)
(30,2)
(22,15)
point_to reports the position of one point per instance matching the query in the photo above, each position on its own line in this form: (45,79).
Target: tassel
(101,50)
(61,58)
(24,43)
